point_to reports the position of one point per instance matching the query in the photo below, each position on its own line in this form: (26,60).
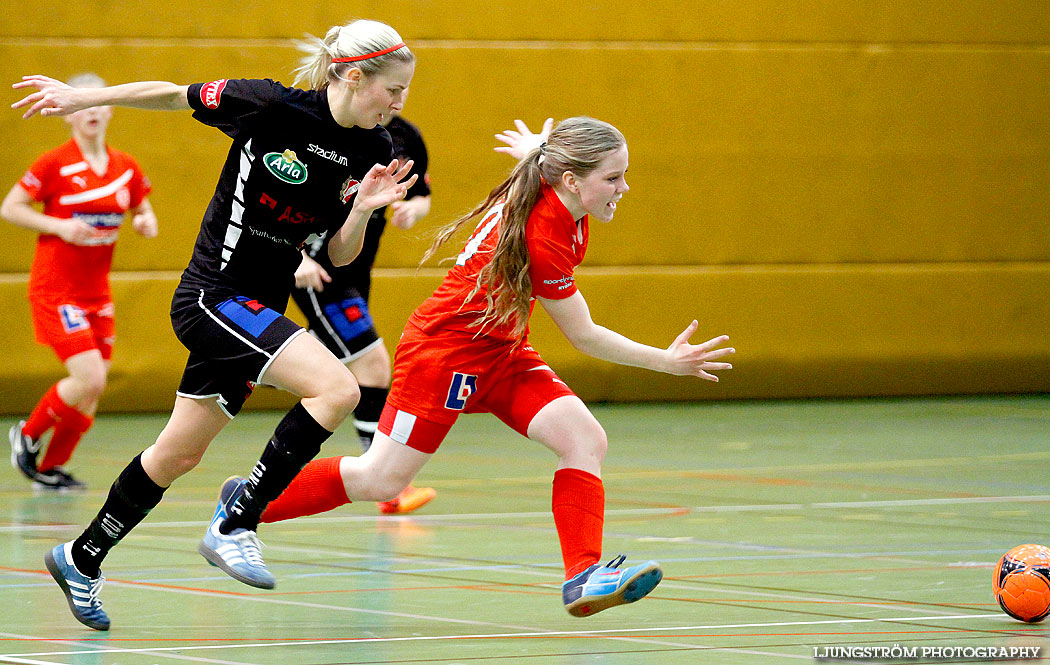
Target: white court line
(27,661)
(742,508)
(546,633)
(91,648)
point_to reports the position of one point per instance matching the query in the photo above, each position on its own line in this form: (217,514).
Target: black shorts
(339,318)
(232,341)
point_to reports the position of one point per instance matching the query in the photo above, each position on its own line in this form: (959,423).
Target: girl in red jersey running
(466,350)
(86,188)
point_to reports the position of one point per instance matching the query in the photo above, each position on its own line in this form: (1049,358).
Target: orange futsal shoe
(409,499)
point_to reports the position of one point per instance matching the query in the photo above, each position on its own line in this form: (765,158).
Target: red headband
(368,56)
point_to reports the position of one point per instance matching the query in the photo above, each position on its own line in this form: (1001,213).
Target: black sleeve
(232,104)
(413,147)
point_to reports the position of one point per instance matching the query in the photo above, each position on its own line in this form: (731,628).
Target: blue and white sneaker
(229,486)
(601,587)
(81,591)
(236,553)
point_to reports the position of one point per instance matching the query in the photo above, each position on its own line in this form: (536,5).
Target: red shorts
(437,377)
(71,326)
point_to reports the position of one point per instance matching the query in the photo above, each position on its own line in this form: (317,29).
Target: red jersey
(556,245)
(68,187)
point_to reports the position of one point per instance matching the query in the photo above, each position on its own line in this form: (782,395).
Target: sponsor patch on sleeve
(561,283)
(31,182)
(211,93)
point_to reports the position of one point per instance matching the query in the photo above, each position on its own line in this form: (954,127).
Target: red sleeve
(36,179)
(551,269)
(140,185)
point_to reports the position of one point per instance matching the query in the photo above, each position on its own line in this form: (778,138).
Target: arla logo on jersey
(285,166)
(212,92)
(348,189)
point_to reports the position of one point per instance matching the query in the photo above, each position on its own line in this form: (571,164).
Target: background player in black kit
(302,163)
(335,302)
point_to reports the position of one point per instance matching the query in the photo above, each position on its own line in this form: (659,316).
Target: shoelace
(615,563)
(95,587)
(249,544)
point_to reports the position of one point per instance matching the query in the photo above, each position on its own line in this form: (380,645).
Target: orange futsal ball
(1022,582)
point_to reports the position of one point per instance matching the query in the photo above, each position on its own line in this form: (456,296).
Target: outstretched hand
(383,185)
(52,97)
(521,142)
(687,359)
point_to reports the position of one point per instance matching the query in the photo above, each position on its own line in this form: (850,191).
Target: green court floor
(782,527)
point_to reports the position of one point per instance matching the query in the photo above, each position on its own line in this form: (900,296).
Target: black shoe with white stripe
(57,480)
(24,451)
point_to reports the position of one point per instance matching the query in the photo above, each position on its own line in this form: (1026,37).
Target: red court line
(746,601)
(502,587)
(817,571)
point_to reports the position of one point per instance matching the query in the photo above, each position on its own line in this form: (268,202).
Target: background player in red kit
(86,188)
(466,350)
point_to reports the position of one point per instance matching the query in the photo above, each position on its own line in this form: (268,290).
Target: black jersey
(408,144)
(291,173)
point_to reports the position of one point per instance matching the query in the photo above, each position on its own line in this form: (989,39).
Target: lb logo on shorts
(73,319)
(286,167)
(463,386)
(211,93)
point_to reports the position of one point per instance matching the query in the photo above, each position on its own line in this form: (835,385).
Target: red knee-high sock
(68,432)
(316,489)
(578,503)
(49,410)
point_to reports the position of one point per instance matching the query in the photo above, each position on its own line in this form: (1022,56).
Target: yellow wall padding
(859,193)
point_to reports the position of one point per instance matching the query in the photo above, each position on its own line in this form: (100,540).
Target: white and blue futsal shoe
(236,553)
(81,591)
(601,587)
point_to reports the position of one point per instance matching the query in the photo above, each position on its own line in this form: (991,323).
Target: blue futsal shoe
(81,591)
(229,486)
(601,587)
(236,553)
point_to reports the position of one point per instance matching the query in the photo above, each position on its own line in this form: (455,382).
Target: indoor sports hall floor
(781,526)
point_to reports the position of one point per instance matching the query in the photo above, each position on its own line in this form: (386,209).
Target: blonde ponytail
(371,45)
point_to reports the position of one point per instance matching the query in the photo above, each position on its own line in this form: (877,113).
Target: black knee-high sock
(296,441)
(131,497)
(366,415)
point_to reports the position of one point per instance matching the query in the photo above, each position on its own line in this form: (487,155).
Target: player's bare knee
(591,444)
(599,443)
(336,392)
(343,395)
(94,386)
(178,464)
(373,369)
